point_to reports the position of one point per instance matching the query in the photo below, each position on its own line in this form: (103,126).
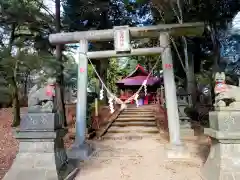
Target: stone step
(132,136)
(143,132)
(127,120)
(135,119)
(137,110)
(137,115)
(133,129)
(140,107)
(134,123)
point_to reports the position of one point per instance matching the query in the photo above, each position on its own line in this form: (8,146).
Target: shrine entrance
(130,84)
(122,48)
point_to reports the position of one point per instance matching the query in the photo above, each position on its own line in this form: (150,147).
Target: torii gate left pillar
(80,149)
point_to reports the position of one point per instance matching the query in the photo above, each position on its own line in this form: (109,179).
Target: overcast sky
(51,5)
(236,22)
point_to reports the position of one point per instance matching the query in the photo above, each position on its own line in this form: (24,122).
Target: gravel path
(139,159)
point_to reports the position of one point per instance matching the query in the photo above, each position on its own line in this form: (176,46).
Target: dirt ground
(8,144)
(118,159)
(143,158)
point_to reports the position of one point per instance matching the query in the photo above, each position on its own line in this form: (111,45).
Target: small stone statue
(231,94)
(220,77)
(224,129)
(226,95)
(41,99)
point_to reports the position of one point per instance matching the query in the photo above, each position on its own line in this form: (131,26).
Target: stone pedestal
(80,152)
(41,153)
(223,162)
(177,152)
(185,124)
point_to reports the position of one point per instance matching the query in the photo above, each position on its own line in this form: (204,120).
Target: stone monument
(185,124)
(41,153)
(223,162)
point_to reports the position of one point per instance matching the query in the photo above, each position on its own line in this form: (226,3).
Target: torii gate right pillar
(176,149)
(170,90)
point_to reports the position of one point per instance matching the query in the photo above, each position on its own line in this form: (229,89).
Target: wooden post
(96,107)
(103,75)
(162,95)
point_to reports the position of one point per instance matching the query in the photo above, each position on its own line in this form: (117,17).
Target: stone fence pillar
(223,162)
(185,122)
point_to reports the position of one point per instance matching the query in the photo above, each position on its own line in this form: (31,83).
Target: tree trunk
(216,50)
(192,86)
(149,66)
(60,79)
(189,66)
(15,104)
(15,98)
(25,88)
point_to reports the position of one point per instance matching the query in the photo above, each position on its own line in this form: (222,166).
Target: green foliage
(91,109)
(70,71)
(27,21)
(204,78)
(113,75)
(92,79)
(76,12)
(127,2)
(24,45)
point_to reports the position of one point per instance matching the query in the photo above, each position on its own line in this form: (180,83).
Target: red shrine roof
(139,71)
(137,77)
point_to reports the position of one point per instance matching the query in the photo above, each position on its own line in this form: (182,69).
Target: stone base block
(80,152)
(186,132)
(223,162)
(37,166)
(226,121)
(178,152)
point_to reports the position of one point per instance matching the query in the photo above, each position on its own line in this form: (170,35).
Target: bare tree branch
(172,40)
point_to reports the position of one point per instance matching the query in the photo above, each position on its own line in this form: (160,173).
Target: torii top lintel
(186,29)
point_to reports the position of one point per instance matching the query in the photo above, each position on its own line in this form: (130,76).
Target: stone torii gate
(121,36)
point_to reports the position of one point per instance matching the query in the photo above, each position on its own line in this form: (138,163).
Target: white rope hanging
(136,100)
(101,93)
(110,102)
(145,87)
(113,96)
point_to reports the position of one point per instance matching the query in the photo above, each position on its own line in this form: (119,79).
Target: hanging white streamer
(144,82)
(145,90)
(136,100)
(111,107)
(101,94)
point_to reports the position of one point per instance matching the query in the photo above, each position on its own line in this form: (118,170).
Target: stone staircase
(134,122)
